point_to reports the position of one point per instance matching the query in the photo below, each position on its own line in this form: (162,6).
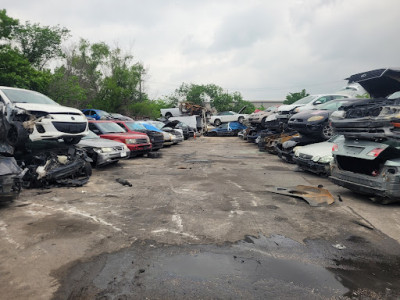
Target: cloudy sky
(262,49)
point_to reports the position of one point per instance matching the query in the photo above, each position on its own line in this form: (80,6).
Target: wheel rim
(327,131)
(217,122)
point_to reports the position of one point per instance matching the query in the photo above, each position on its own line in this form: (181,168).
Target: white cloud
(263,49)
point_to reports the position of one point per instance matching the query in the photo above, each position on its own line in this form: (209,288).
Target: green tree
(16,71)
(39,44)
(293,97)
(7,25)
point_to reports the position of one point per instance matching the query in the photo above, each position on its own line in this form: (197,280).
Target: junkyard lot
(204,191)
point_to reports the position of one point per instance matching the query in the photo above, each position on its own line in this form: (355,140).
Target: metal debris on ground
(123,181)
(339,246)
(314,196)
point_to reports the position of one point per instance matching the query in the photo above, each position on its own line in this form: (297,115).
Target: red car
(138,143)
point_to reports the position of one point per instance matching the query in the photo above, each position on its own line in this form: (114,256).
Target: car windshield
(306,100)
(395,95)
(110,127)
(90,135)
(271,108)
(25,96)
(331,105)
(159,125)
(135,126)
(102,113)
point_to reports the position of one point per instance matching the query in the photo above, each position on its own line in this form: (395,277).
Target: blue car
(227,129)
(97,114)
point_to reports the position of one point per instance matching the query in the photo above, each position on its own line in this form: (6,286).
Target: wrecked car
(226,129)
(10,178)
(368,160)
(177,134)
(51,163)
(156,137)
(33,114)
(103,151)
(316,122)
(97,114)
(367,167)
(285,112)
(166,136)
(260,116)
(138,144)
(228,116)
(316,158)
(285,148)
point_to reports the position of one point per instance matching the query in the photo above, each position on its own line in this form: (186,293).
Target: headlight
(130,141)
(296,151)
(126,148)
(315,118)
(315,158)
(106,149)
(296,110)
(326,159)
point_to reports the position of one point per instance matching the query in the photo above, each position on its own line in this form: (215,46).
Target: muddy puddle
(255,268)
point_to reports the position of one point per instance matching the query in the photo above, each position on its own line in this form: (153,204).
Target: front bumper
(386,187)
(314,167)
(110,157)
(285,154)
(59,127)
(305,128)
(139,149)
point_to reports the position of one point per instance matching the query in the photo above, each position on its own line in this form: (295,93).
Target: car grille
(69,127)
(305,156)
(141,141)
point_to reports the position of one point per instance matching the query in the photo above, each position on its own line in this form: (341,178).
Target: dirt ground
(205,196)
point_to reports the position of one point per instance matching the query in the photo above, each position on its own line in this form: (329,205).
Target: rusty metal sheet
(314,196)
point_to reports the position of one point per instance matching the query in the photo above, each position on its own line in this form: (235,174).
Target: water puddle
(262,267)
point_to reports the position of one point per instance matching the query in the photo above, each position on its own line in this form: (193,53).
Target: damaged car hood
(378,83)
(48,108)
(98,142)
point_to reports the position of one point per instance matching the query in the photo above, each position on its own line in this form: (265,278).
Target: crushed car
(261,116)
(226,129)
(316,158)
(10,178)
(103,151)
(368,160)
(27,113)
(51,163)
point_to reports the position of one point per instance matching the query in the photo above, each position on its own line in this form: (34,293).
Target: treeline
(89,75)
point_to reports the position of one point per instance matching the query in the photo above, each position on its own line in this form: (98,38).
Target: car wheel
(168,115)
(72,140)
(217,122)
(263,122)
(240,119)
(327,131)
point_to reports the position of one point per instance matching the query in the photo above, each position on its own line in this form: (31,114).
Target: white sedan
(228,116)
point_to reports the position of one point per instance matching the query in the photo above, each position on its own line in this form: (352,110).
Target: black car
(156,138)
(315,122)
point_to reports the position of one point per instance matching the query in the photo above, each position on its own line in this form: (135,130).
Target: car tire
(327,131)
(72,140)
(240,120)
(168,115)
(217,122)
(263,122)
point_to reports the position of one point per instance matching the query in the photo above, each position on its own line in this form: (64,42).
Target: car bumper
(286,155)
(388,187)
(314,167)
(108,158)
(306,128)
(55,129)
(139,149)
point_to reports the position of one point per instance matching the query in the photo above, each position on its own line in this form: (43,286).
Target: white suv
(29,112)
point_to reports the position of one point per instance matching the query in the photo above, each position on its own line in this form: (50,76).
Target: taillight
(335,147)
(375,152)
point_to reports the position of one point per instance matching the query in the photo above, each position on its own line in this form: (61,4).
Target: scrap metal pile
(355,141)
